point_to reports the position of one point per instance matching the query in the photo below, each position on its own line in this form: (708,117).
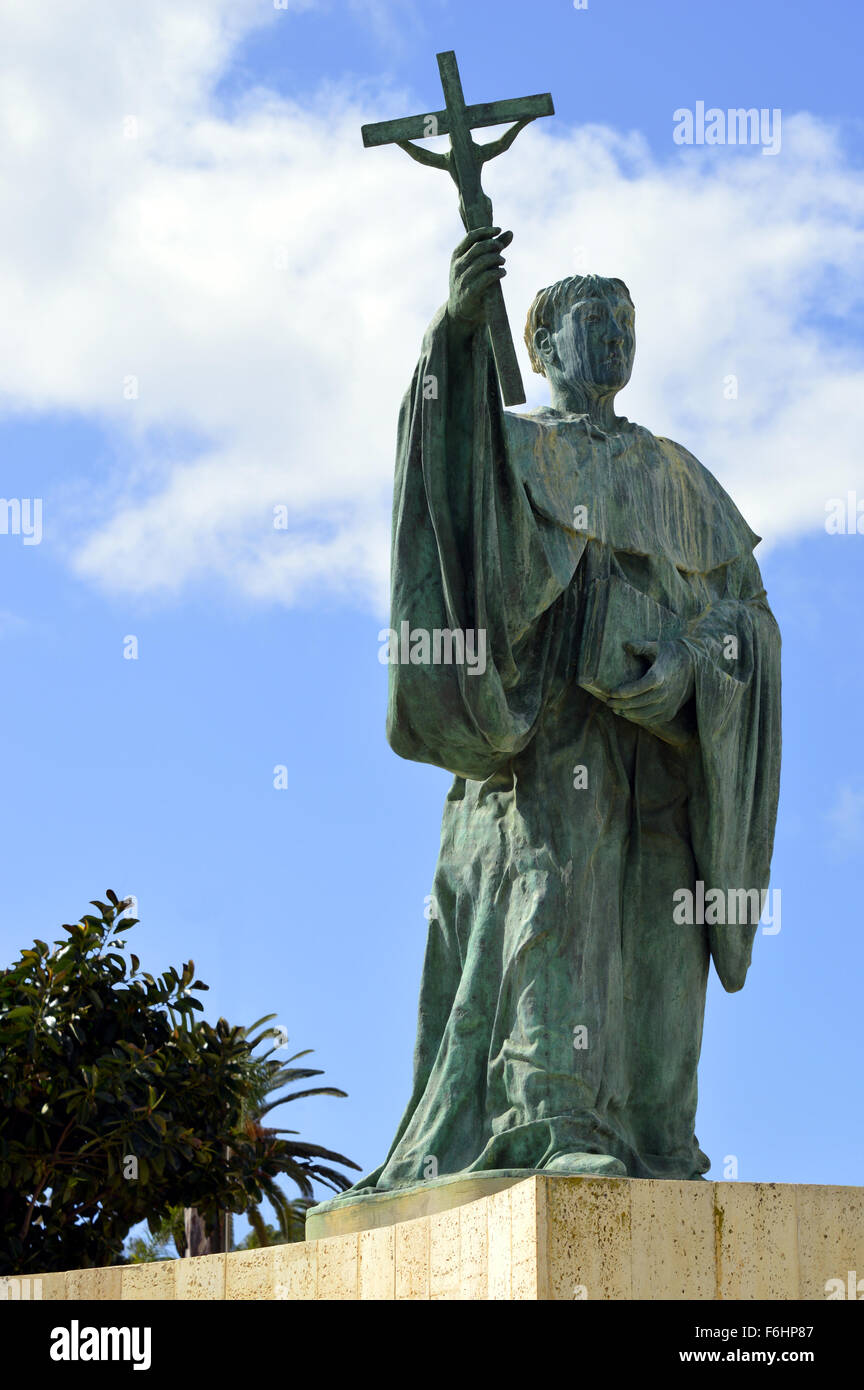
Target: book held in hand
(617,613)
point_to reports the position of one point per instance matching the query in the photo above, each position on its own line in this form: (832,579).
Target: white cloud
(267,281)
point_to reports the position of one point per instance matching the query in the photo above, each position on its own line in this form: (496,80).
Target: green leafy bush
(116,1103)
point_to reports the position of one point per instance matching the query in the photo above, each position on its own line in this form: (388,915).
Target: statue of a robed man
(615,755)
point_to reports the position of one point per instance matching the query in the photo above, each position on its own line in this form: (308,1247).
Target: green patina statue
(563,990)
(581,636)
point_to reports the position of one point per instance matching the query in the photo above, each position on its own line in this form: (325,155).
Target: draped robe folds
(561,1007)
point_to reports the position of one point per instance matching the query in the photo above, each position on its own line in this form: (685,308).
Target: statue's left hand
(665,688)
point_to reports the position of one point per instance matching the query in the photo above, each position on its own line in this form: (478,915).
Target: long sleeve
(469,554)
(735,765)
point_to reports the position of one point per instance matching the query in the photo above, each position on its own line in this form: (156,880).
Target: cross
(464,161)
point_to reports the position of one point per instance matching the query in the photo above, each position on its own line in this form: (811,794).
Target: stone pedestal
(599,1238)
(531,1238)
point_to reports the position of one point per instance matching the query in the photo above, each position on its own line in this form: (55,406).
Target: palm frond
(301,1095)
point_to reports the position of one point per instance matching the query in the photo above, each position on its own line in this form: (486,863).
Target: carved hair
(549,304)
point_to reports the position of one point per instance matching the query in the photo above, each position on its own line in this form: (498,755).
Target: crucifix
(464,161)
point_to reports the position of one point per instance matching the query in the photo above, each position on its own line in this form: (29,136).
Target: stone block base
(550,1238)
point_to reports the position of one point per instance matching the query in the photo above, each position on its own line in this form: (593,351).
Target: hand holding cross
(463,161)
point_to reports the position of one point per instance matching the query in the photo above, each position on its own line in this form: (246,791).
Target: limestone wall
(542,1238)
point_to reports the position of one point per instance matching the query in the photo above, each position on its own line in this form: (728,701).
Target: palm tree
(156,1243)
(292,1228)
(303,1163)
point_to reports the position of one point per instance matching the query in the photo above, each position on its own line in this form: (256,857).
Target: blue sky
(266,280)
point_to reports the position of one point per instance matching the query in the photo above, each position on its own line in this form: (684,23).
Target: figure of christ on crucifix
(616,760)
(464,161)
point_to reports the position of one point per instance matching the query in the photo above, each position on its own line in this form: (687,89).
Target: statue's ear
(544,346)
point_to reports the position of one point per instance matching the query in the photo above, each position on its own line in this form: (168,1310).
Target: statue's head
(581,331)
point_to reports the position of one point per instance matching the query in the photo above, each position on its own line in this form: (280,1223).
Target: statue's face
(595,342)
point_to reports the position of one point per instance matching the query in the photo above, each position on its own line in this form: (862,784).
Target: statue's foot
(586,1166)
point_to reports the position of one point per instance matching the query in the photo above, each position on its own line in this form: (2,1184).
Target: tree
(292,1226)
(164,1240)
(254,1241)
(267,1077)
(115,1105)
